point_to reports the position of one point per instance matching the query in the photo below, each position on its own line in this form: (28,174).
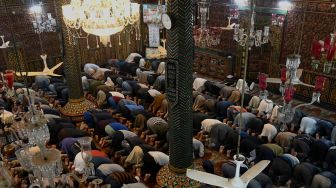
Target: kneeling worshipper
(225,92)
(114,126)
(208,124)
(131,58)
(281,169)
(308,126)
(123,179)
(249,145)
(105,170)
(139,149)
(92,117)
(222,107)
(90,68)
(198,148)
(153,161)
(131,111)
(218,134)
(118,140)
(246,118)
(284,139)
(158,127)
(303,175)
(97,158)
(100,74)
(269,131)
(325,179)
(156,104)
(253,104)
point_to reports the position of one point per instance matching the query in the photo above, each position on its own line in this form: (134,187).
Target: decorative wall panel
(318,23)
(213,64)
(15,19)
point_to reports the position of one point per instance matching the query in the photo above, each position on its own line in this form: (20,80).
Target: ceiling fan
(46,71)
(236,182)
(229,26)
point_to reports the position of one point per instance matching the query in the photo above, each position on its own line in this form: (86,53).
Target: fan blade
(254,171)
(52,74)
(56,66)
(274,80)
(304,84)
(44,57)
(30,74)
(207,178)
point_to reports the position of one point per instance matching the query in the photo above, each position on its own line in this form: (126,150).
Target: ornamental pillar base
(166,177)
(75,108)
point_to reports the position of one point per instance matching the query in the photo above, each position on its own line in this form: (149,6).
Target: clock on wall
(166,21)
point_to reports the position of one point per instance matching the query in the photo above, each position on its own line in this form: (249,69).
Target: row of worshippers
(47,94)
(113,129)
(134,126)
(302,153)
(140,137)
(213,103)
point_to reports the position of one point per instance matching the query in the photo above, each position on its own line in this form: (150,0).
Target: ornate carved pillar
(179,94)
(77,104)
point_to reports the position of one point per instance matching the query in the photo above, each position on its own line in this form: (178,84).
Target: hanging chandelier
(42,22)
(256,37)
(101,18)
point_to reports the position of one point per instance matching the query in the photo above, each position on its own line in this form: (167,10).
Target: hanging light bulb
(285,5)
(241,2)
(36,9)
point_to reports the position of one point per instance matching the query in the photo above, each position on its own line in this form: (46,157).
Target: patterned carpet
(311,110)
(217,158)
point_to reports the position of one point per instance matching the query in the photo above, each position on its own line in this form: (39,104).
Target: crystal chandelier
(42,23)
(203,12)
(101,18)
(202,35)
(45,163)
(255,38)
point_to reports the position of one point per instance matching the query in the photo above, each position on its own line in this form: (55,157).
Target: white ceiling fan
(46,71)
(236,182)
(229,26)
